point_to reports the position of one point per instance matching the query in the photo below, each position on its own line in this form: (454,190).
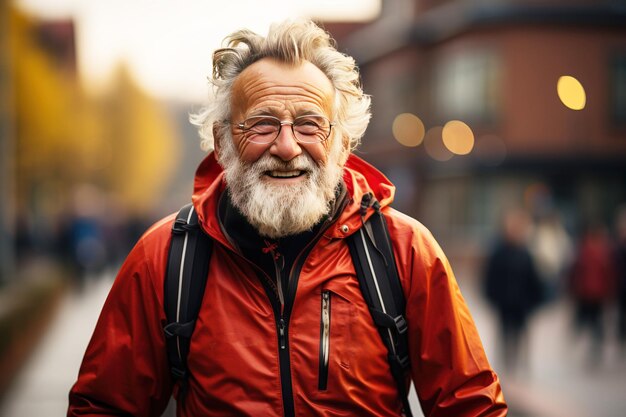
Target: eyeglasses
(305,129)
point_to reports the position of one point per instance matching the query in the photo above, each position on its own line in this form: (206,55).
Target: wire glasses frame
(266,129)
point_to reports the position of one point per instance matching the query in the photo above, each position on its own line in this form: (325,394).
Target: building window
(618,89)
(467,86)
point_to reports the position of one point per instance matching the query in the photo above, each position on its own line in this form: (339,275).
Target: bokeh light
(408,129)
(458,137)
(571,92)
(433,143)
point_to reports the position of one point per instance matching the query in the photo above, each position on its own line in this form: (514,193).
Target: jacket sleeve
(449,367)
(124,371)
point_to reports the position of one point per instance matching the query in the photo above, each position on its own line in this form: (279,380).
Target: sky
(167,44)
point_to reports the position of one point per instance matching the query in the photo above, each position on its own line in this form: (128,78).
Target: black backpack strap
(375,265)
(185,280)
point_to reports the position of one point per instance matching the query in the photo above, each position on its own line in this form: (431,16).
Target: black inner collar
(263,251)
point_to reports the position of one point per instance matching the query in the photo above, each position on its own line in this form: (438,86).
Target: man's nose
(285,146)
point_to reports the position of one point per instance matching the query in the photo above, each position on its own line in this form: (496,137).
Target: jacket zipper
(282,314)
(285,369)
(283,323)
(282,310)
(282,330)
(324,341)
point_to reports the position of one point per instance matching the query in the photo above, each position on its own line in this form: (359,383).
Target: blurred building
(7,143)
(495,67)
(57,38)
(28,50)
(58,138)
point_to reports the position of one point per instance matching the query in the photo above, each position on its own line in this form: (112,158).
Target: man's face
(271,88)
(284,187)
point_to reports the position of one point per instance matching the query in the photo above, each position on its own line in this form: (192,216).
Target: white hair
(291,42)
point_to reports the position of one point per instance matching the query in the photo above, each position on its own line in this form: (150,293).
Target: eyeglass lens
(306,129)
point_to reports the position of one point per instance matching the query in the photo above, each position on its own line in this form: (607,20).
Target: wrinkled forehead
(274,84)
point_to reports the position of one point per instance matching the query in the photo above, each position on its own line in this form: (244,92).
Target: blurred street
(556,383)
(42,387)
(558,380)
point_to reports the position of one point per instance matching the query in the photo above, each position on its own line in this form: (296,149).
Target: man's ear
(217,138)
(345,150)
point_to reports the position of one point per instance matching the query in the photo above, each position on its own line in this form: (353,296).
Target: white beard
(277,210)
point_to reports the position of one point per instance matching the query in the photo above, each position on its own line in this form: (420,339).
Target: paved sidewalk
(557,382)
(42,387)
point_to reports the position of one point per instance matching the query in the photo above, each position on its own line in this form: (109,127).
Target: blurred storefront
(481,106)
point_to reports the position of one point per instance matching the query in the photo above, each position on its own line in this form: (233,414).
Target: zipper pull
(281,333)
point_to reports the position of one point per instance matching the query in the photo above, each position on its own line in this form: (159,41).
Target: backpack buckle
(180,226)
(401,325)
(179,329)
(398,363)
(179,374)
(403,361)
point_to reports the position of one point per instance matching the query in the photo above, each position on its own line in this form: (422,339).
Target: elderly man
(279,196)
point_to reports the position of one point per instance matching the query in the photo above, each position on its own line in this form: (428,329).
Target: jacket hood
(359,177)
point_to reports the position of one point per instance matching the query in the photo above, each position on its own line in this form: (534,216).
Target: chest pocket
(336,344)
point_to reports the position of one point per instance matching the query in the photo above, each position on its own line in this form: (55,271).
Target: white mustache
(271,163)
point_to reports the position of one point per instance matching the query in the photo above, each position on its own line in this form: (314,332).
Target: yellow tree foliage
(123,142)
(43,103)
(141,143)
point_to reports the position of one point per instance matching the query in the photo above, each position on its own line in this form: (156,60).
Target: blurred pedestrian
(513,286)
(552,250)
(621,276)
(593,284)
(84,235)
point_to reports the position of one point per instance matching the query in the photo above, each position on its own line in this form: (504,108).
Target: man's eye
(265,122)
(307,126)
(308,122)
(264,126)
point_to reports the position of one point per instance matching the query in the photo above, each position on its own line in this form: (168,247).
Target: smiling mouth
(285,174)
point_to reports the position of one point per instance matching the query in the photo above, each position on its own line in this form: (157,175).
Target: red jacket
(234,357)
